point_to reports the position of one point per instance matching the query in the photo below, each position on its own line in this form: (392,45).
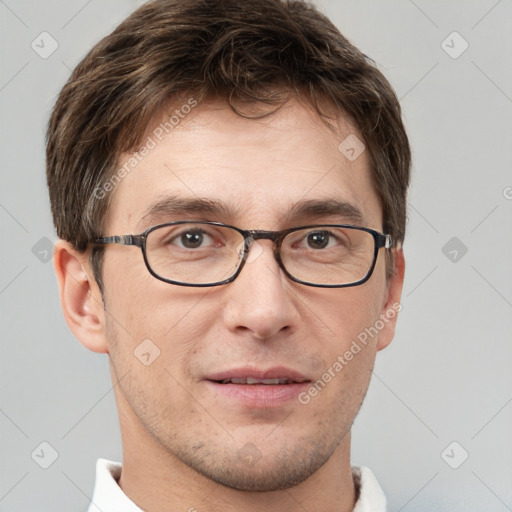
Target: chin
(251,470)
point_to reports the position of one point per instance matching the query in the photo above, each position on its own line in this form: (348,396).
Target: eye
(191,239)
(318,239)
(322,239)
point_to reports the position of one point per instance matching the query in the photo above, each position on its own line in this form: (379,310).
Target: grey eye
(318,239)
(192,239)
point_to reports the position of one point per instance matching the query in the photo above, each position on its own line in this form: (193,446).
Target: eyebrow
(316,208)
(311,209)
(175,205)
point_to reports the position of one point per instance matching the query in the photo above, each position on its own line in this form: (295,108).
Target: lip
(258,396)
(276,372)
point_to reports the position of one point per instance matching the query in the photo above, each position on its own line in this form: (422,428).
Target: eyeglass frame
(381,240)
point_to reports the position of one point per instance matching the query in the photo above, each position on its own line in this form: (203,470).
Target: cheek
(148,315)
(136,300)
(346,312)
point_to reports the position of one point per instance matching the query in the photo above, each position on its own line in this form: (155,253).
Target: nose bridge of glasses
(254,235)
(258,234)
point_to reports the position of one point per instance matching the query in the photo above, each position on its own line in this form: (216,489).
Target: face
(245,436)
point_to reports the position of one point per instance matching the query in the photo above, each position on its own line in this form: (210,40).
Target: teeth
(252,380)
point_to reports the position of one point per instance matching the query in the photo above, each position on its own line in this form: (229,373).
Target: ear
(80,297)
(389,313)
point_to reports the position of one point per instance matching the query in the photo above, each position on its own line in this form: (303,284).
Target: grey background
(446,377)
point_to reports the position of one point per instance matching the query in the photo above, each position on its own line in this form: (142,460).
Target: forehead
(256,171)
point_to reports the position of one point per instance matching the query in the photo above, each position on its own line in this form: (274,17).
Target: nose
(261,300)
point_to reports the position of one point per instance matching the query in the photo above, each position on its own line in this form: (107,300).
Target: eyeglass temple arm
(137,240)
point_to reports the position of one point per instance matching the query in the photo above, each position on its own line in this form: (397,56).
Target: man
(228,180)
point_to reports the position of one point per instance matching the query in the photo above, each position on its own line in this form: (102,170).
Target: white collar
(371,495)
(109,497)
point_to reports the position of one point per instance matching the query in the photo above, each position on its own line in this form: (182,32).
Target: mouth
(257,388)
(252,381)
(277,375)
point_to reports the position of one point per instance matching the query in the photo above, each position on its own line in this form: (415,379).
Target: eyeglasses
(211,253)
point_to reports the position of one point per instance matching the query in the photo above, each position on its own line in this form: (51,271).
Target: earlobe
(80,298)
(392,306)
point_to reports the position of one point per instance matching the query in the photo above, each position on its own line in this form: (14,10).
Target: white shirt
(109,497)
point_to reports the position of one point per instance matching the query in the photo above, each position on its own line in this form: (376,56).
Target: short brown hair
(229,49)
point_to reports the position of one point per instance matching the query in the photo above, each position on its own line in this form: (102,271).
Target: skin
(183,444)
